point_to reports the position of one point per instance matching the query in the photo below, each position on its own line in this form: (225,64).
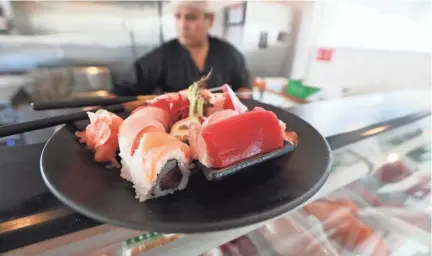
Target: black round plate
(265,191)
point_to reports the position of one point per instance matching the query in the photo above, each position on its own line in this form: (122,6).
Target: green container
(143,237)
(297,89)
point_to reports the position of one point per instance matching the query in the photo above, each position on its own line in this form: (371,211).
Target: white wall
(377,43)
(265,16)
(5,4)
(370,69)
(357,24)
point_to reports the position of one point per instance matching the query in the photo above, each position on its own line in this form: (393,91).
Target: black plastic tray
(213,174)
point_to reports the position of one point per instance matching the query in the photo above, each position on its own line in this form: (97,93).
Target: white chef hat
(204,6)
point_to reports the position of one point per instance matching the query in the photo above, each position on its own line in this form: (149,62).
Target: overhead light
(393,157)
(375,130)
(92,70)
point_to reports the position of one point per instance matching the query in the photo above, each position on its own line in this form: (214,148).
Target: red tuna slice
(232,101)
(241,137)
(219,116)
(195,138)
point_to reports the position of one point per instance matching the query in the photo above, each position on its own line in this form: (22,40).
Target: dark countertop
(39,136)
(29,213)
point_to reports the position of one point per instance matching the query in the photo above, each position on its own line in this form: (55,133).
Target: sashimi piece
(221,142)
(177,104)
(219,116)
(340,219)
(196,141)
(232,101)
(216,102)
(148,165)
(101,135)
(348,204)
(289,238)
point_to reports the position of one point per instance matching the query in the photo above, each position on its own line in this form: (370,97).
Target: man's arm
(240,77)
(148,73)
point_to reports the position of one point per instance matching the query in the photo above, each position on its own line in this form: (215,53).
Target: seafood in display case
(386,212)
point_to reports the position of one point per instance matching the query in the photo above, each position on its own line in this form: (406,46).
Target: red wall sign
(324,54)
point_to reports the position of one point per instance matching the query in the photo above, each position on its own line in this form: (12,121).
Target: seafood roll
(159,166)
(148,119)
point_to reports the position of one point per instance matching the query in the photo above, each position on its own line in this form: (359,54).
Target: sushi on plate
(159,141)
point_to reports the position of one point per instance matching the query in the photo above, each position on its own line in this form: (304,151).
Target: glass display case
(383,207)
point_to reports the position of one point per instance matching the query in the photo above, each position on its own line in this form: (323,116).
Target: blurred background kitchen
(298,51)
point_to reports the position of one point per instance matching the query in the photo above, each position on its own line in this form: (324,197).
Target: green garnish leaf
(196,102)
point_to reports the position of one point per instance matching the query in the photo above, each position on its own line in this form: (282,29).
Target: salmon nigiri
(101,135)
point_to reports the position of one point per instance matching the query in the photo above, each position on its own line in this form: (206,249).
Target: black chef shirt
(171,68)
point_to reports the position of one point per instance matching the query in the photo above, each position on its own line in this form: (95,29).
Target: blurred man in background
(178,63)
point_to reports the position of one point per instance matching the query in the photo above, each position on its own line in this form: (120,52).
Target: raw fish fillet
(216,102)
(101,135)
(341,221)
(177,104)
(228,137)
(220,101)
(196,141)
(232,101)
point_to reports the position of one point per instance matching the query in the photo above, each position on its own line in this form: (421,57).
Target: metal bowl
(48,83)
